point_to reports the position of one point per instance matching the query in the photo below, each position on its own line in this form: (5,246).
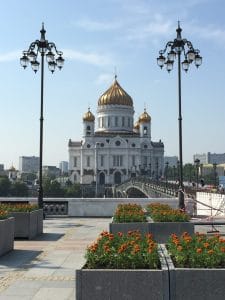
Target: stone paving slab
(44,268)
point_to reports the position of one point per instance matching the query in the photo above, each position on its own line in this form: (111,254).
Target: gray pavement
(44,268)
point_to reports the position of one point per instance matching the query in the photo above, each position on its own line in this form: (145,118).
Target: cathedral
(114,148)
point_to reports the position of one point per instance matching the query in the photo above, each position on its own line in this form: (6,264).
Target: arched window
(88,130)
(102,178)
(117,178)
(145,130)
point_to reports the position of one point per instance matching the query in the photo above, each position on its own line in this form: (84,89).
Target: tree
(52,188)
(19,189)
(73,190)
(5,186)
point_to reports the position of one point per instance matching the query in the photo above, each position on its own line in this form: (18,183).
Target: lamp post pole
(197,162)
(30,56)
(172,49)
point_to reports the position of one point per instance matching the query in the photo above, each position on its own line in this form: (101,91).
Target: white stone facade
(116,150)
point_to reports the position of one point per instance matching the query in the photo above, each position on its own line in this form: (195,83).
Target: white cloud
(90,58)
(10,56)
(106,78)
(91,25)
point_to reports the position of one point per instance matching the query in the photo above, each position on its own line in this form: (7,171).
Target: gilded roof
(144,117)
(115,95)
(136,125)
(88,116)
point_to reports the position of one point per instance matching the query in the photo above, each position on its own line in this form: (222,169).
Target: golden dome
(115,95)
(144,117)
(88,116)
(136,125)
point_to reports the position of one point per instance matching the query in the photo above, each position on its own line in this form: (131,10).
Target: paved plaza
(44,268)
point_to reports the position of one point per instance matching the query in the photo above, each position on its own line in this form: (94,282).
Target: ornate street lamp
(172,49)
(54,59)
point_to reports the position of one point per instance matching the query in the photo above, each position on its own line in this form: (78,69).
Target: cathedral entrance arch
(117,178)
(102,178)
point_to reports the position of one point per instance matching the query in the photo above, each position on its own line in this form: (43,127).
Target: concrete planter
(6,235)
(195,284)
(28,224)
(125,227)
(102,284)
(162,230)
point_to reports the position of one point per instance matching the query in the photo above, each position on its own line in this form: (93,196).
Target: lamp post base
(181,199)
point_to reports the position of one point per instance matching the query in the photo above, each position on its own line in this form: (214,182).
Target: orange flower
(106,248)
(199,250)
(179,248)
(122,248)
(120,234)
(206,245)
(222,249)
(211,251)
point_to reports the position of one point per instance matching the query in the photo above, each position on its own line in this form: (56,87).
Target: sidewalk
(44,268)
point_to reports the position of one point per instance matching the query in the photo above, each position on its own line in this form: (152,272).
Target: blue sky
(96,36)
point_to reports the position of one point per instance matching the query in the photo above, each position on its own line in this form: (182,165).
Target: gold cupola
(136,126)
(115,95)
(144,117)
(88,116)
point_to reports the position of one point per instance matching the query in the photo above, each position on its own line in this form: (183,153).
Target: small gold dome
(88,116)
(115,95)
(144,117)
(137,125)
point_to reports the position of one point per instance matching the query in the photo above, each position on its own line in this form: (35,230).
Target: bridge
(145,187)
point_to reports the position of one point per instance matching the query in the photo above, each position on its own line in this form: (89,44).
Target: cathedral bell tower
(88,124)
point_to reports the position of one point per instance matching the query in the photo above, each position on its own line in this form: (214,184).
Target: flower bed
(164,213)
(129,217)
(28,219)
(6,232)
(196,267)
(126,213)
(123,267)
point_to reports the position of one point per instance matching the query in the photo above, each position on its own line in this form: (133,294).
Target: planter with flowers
(123,266)
(164,221)
(6,232)
(196,267)
(28,219)
(129,217)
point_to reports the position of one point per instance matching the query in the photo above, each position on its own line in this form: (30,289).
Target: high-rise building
(210,158)
(29,164)
(64,166)
(118,149)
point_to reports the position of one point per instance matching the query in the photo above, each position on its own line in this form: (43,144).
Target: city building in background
(210,158)
(118,149)
(28,164)
(64,167)
(51,171)
(172,161)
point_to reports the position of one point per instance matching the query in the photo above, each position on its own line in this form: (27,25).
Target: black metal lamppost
(197,164)
(172,49)
(54,59)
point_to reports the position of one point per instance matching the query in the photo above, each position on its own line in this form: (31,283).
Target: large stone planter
(162,230)
(102,284)
(28,224)
(195,284)
(125,227)
(6,235)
